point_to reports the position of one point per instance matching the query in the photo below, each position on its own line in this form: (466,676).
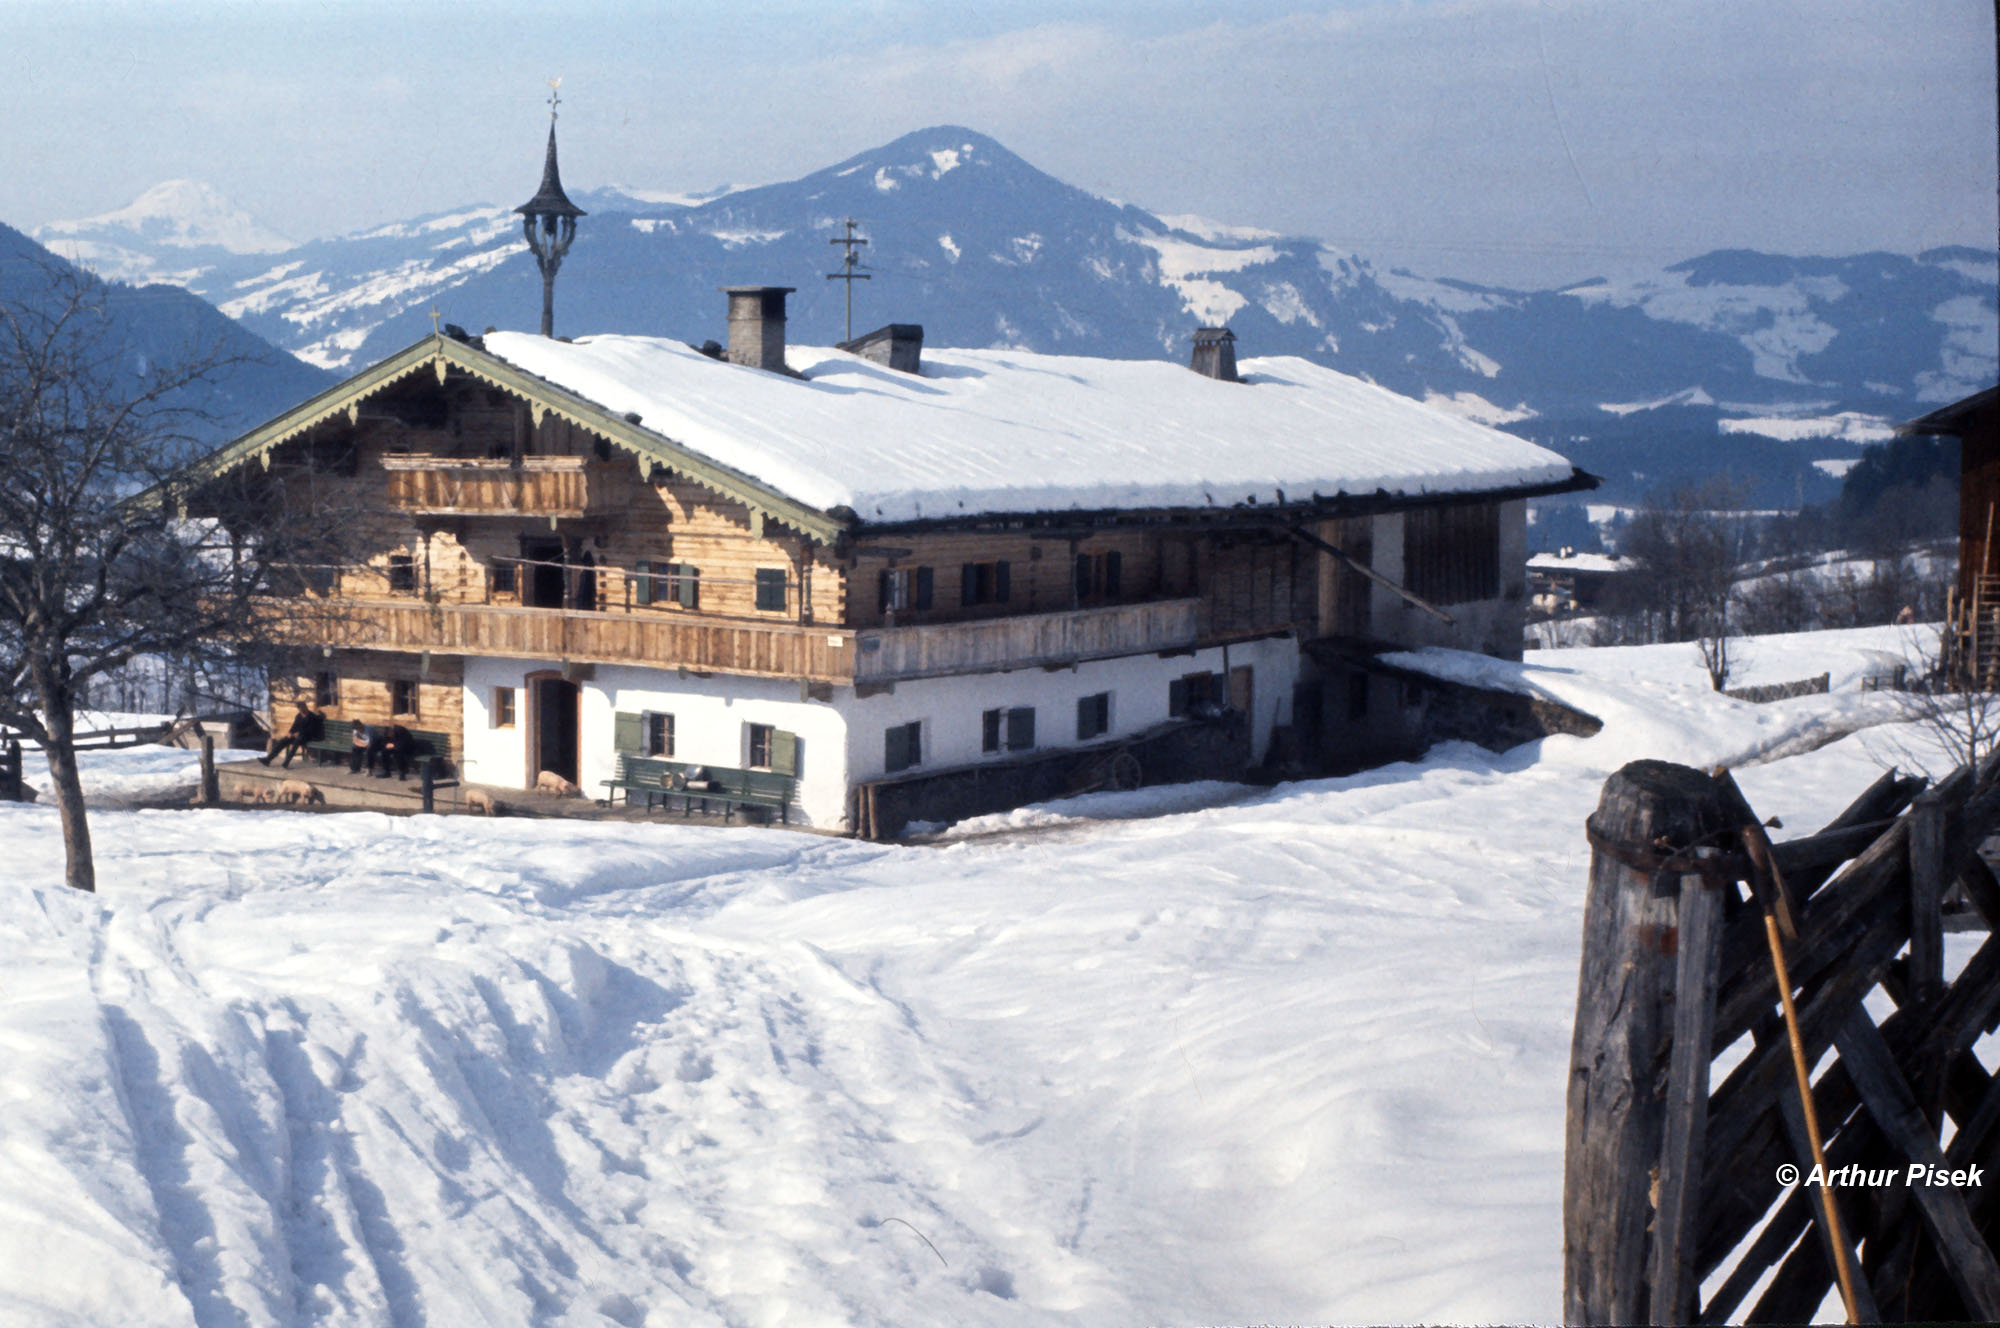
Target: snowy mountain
(985,250)
(161,324)
(174,233)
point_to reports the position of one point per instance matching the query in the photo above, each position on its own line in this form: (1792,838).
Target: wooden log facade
(1754,1199)
(527,567)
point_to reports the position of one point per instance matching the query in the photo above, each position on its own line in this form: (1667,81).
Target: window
(903,747)
(402,697)
(504,578)
(770,590)
(984,583)
(683,585)
(657,728)
(760,745)
(326,689)
(1193,694)
(1008,729)
(502,711)
(1099,575)
(1451,555)
(906,588)
(1093,715)
(402,572)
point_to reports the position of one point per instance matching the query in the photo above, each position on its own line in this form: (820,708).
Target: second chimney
(1214,354)
(757,325)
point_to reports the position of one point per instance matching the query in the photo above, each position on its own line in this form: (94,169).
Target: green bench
(692,782)
(431,748)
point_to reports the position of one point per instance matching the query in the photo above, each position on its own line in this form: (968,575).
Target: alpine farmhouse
(885,567)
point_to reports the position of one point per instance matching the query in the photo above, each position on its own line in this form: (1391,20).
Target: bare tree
(1687,544)
(104,555)
(1962,721)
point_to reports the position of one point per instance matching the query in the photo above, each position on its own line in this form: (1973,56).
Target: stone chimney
(898,345)
(1215,354)
(757,326)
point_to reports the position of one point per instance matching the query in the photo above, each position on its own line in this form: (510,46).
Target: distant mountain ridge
(983,249)
(163,324)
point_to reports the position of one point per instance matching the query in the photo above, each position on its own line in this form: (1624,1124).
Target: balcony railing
(933,650)
(541,486)
(764,649)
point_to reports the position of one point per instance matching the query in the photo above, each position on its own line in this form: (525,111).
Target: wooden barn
(1973,642)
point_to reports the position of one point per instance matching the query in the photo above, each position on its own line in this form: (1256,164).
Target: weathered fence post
(427,780)
(10,772)
(211,791)
(1927,887)
(1634,1143)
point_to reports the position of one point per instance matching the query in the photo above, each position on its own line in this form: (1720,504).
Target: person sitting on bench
(390,743)
(308,726)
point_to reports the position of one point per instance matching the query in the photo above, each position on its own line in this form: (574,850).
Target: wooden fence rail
(1683,1197)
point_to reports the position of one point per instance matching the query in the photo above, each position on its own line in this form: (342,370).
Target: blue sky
(1511,140)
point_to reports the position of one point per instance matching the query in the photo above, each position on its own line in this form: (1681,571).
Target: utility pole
(852,260)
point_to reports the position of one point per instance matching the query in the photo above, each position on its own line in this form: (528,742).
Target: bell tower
(548,220)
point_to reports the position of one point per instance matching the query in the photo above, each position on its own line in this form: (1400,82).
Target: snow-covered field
(1189,1056)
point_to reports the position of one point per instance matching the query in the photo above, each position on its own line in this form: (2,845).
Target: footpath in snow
(1205,1056)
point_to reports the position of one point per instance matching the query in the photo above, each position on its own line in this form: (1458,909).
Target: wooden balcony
(535,486)
(760,649)
(652,640)
(1024,641)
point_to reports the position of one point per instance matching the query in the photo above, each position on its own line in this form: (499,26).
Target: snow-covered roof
(985,431)
(1580,562)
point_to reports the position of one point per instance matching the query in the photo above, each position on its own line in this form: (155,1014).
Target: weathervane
(549,219)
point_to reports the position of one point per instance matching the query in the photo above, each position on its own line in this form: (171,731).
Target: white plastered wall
(711,719)
(950,708)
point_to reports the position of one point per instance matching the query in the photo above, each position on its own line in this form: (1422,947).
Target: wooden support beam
(1887,1095)
(1347,559)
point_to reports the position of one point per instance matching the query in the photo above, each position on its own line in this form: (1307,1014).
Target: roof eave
(1955,418)
(443,353)
(1319,508)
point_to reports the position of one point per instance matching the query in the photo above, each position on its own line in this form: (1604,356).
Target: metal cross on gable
(555,96)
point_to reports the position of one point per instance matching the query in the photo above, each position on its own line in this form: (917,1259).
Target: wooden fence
(1690,1201)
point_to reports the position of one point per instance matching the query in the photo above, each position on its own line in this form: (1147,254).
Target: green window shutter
(690,586)
(923,588)
(771,589)
(785,753)
(628,732)
(642,584)
(896,748)
(1177,697)
(968,584)
(1002,582)
(883,601)
(1083,586)
(1020,728)
(989,731)
(1084,711)
(1114,563)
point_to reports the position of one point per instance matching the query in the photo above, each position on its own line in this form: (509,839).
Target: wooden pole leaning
(1768,885)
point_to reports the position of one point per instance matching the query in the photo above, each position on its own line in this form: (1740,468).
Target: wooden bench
(429,747)
(692,782)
